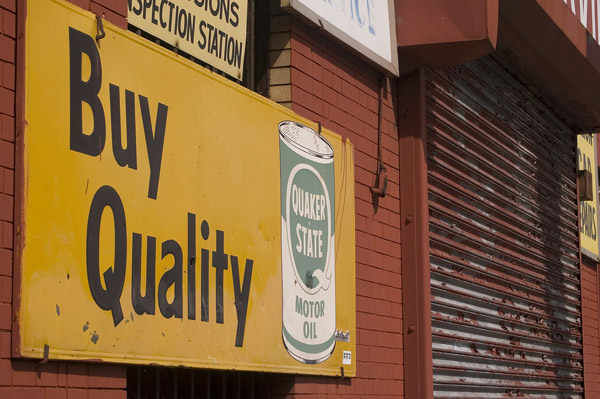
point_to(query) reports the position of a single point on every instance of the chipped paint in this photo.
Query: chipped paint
(506, 318)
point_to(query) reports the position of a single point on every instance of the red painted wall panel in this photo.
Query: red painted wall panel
(337, 89)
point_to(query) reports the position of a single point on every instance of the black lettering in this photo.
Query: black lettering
(154, 141)
(235, 20)
(220, 263)
(238, 54)
(221, 37)
(171, 6)
(224, 10)
(174, 277)
(214, 11)
(230, 50)
(191, 275)
(85, 92)
(143, 304)
(204, 230)
(594, 231)
(147, 4)
(138, 10)
(190, 28)
(114, 278)
(163, 23)
(202, 42)
(154, 11)
(241, 296)
(123, 156)
(181, 23)
(581, 221)
(212, 42)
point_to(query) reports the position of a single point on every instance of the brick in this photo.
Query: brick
(22, 393)
(7, 132)
(46, 374)
(55, 393)
(61, 374)
(303, 99)
(103, 376)
(5, 289)
(77, 375)
(9, 5)
(280, 58)
(5, 345)
(116, 6)
(9, 24)
(77, 394)
(7, 49)
(5, 372)
(7, 154)
(5, 316)
(8, 181)
(300, 62)
(8, 76)
(280, 41)
(6, 207)
(279, 76)
(106, 394)
(23, 372)
(281, 93)
(5, 262)
(7, 101)
(111, 16)
(7, 235)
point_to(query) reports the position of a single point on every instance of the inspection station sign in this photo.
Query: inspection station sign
(368, 26)
(213, 31)
(170, 216)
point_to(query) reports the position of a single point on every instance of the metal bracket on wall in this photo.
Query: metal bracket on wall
(586, 186)
(100, 27)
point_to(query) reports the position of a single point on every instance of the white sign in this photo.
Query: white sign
(213, 31)
(368, 26)
(588, 12)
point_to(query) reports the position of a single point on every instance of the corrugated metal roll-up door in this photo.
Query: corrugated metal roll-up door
(505, 285)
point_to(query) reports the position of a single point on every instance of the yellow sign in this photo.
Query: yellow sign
(588, 210)
(213, 31)
(153, 212)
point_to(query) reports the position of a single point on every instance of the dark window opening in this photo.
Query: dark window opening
(175, 383)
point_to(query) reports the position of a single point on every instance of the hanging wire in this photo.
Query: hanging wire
(379, 189)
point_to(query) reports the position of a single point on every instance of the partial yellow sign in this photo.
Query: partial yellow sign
(588, 210)
(213, 31)
(155, 206)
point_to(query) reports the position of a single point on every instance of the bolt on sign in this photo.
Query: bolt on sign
(214, 31)
(173, 217)
(588, 210)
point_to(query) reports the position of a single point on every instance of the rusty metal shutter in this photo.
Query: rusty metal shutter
(505, 285)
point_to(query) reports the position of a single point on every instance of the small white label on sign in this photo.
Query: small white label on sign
(347, 357)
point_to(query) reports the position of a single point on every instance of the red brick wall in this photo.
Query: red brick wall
(25, 379)
(332, 86)
(589, 310)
